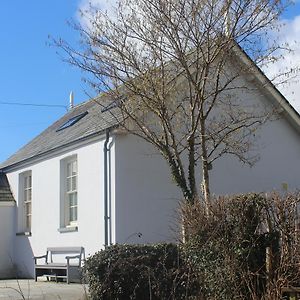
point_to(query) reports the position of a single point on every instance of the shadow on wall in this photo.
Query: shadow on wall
(23, 262)
(7, 238)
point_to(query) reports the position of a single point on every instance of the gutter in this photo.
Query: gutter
(36, 157)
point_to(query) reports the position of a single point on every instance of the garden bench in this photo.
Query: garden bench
(60, 263)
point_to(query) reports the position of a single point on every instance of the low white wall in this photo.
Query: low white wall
(7, 234)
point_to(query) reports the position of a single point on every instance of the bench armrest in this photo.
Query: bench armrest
(40, 257)
(73, 257)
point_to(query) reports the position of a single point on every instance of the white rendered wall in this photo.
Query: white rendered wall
(146, 198)
(46, 206)
(277, 144)
(7, 216)
(279, 163)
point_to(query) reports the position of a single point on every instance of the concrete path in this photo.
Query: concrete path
(24, 289)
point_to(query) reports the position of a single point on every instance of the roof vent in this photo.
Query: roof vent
(71, 105)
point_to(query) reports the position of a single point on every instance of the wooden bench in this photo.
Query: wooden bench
(60, 263)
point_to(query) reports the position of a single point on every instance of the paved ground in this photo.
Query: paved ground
(42, 290)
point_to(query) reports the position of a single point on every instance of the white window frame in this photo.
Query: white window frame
(69, 189)
(25, 201)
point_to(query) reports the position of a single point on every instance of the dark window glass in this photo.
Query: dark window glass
(72, 121)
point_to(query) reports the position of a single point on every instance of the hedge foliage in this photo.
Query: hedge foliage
(226, 246)
(246, 247)
(140, 272)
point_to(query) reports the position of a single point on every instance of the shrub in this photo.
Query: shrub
(247, 247)
(140, 272)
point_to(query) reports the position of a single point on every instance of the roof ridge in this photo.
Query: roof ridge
(89, 100)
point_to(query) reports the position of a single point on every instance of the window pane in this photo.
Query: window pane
(27, 182)
(69, 184)
(73, 199)
(28, 208)
(28, 221)
(74, 168)
(74, 183)
(69, 169)
(73, 214)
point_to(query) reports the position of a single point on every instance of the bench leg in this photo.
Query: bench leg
(68, 274)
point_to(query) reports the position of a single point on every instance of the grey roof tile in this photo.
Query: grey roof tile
(95, 122)
(5, 192)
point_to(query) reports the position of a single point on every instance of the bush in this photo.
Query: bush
(247, 247)
(140, 272)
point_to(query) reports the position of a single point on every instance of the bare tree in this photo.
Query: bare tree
(176, 71)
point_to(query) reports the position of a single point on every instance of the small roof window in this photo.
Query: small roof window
(72, 121)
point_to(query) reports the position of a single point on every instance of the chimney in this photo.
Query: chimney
(71, 104)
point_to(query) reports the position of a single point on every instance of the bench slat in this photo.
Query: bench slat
(65, 249)
(55, 266)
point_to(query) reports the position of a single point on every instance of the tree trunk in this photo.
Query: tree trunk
(205, 174)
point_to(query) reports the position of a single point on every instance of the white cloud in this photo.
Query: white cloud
(105, 5)
(290, 34)
(86, 7)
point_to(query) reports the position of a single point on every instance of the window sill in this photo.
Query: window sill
(25, 233)
(68, 229)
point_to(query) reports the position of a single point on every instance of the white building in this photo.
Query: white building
(83, 182)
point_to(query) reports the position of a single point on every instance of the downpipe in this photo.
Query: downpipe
(106, 217)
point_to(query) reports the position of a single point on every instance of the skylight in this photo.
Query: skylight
(72, 121)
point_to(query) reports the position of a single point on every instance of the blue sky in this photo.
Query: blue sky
(32, 72)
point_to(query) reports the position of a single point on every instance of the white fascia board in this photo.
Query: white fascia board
(54, 152)
(291, 114)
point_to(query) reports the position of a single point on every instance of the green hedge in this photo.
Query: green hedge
(140, 272)
(246, 247)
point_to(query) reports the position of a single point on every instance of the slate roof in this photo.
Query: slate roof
(93, 123)
(5, 192)
(99, 119)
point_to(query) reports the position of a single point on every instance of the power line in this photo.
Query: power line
(34, 104)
